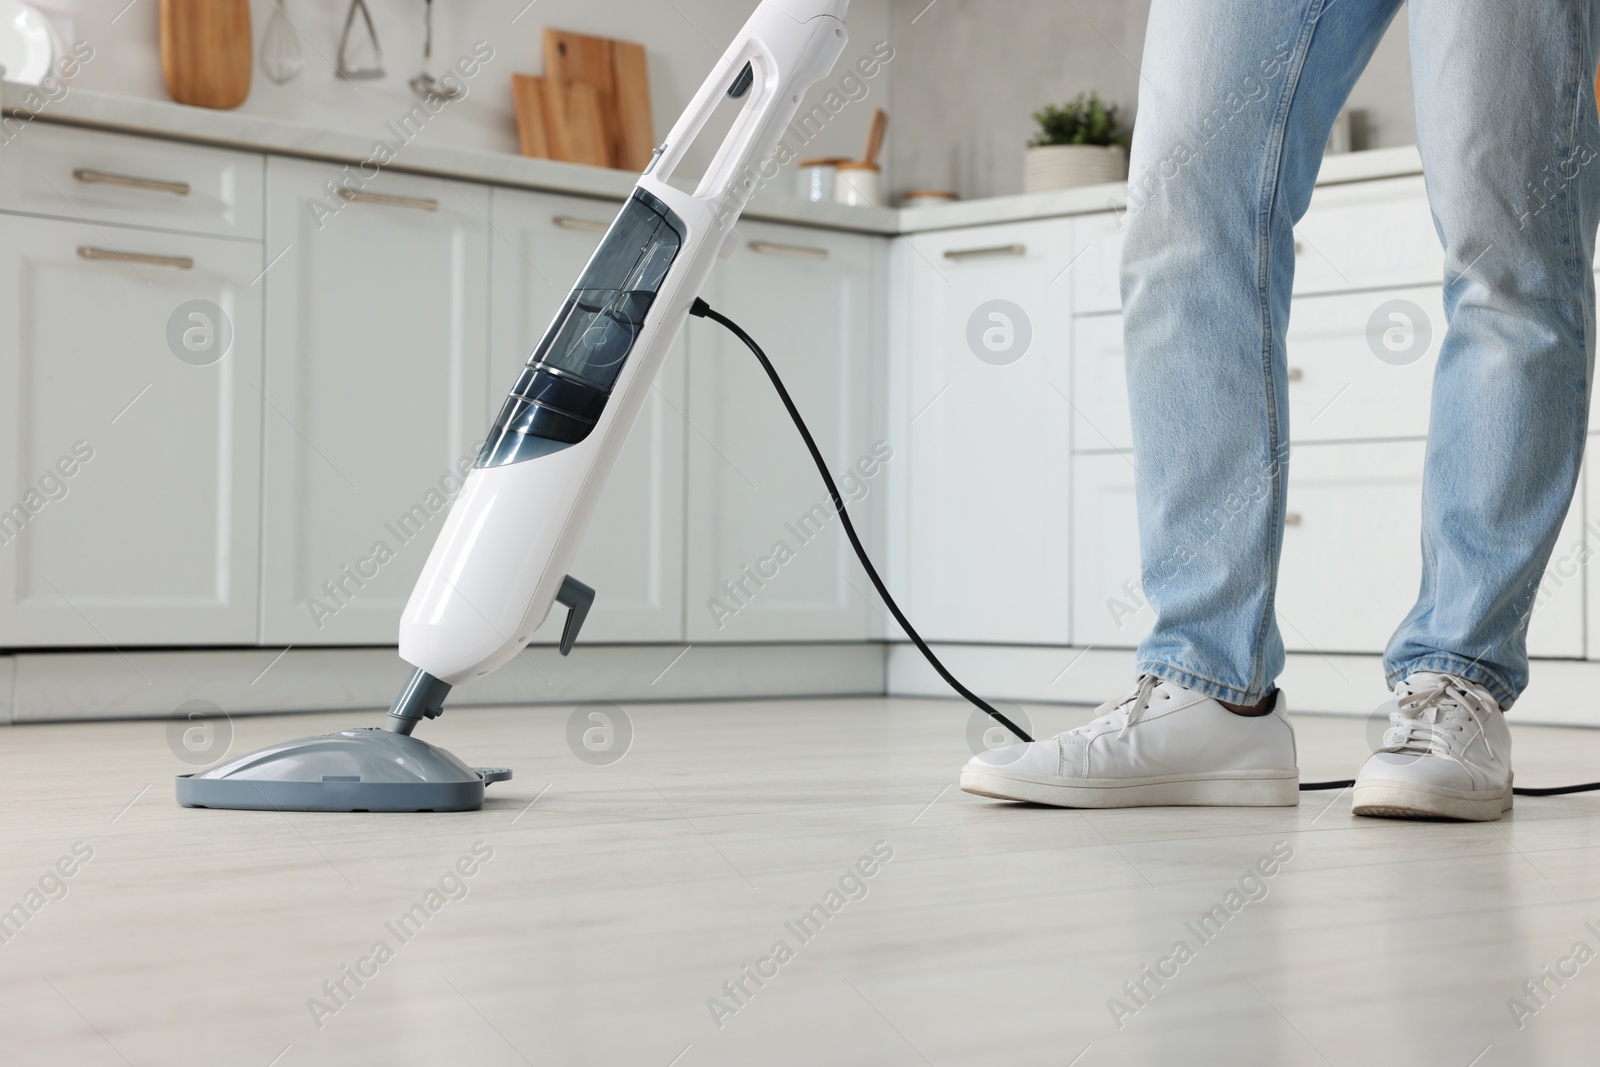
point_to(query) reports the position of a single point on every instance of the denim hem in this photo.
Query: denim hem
(1213, 689)
(1449, 663)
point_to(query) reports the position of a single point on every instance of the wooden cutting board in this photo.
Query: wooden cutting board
(576, 59)
(206, 50)
(556, 122)
(618, 74)
(533, 124)
(636, 135)
(588, 133)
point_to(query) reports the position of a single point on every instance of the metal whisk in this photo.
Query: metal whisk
(280, 47)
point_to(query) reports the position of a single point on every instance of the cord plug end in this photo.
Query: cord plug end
(699, 309)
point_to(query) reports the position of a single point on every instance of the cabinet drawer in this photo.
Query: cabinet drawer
(1355, 236)
(81, 175)
(1340, 387)
(1367, 234)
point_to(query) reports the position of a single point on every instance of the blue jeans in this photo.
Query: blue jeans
(1236, 101)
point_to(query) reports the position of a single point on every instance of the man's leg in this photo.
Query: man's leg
(1236, 101)
(1510, 142)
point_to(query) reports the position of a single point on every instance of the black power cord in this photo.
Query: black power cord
(701, 309)
(704, 310)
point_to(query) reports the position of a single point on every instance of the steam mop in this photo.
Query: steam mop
(500, 562)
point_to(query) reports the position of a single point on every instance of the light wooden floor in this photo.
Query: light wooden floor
(621, 899)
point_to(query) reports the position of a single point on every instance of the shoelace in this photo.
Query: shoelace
(1424, 721)
(1130, 707)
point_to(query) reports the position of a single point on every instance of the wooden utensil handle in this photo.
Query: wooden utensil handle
(880, 125)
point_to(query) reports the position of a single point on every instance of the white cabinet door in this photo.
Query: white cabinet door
(988, 424)
(1108, 605)
(633, 552)
(814, 302)
(376, 388)
(129, 477)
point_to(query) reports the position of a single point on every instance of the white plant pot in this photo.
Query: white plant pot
(1066, 166)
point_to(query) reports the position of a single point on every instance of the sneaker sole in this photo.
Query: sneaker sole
(1234, 789)
(1401, 800)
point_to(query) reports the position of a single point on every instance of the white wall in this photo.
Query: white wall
(683, 37)
(970, 73)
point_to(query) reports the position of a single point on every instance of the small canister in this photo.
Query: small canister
(928, 198)
(859, 184)
(816, 178)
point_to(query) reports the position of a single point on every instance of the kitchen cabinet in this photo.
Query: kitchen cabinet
(633, 552)
(988, 419)
(376, 392)
(129, 473)
(814, 301)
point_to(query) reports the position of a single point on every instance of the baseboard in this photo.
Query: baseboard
(80, 686)
(68, 686)
(1561, 692)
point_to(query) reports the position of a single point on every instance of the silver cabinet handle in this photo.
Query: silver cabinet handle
(128, 181)
(1295, 374)
(180, 262)
(572, 222)
(1291, 518)
(357, 196)
(772, 248)
(996, 250)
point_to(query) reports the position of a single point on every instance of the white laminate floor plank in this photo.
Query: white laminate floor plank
(620, 899)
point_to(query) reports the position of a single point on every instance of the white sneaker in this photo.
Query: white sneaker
(1447, 754)
(1161, 744)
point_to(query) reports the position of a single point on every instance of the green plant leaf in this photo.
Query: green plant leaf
(1085, 120)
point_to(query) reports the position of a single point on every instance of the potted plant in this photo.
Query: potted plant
(1080, 143)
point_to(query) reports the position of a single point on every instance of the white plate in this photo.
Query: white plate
(28, 44)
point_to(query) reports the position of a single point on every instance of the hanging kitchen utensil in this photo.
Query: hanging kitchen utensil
(280, 47)
(346, 68)
(424, 84)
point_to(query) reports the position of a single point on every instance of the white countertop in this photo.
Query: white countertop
(231, 129)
